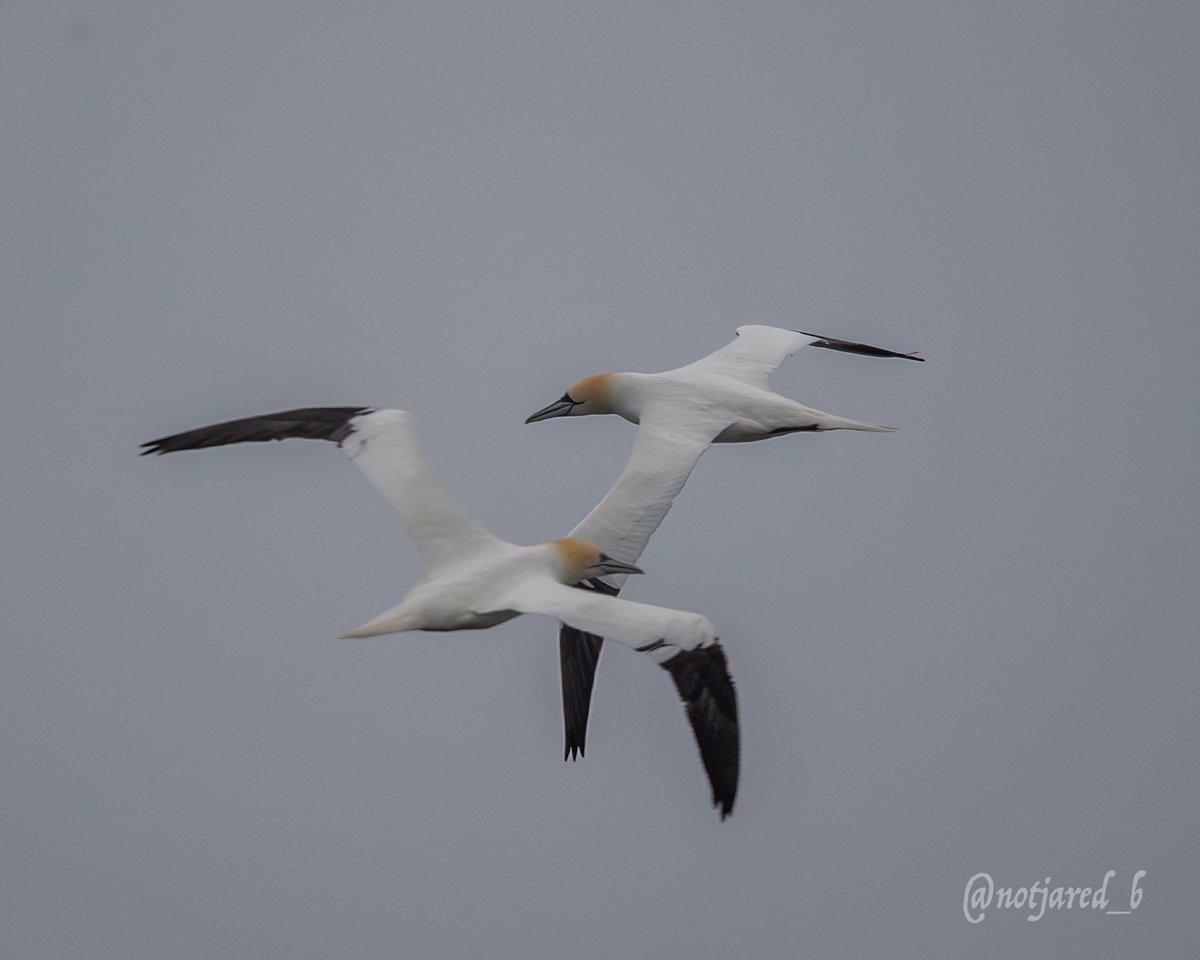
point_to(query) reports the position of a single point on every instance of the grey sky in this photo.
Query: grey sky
(967, 646)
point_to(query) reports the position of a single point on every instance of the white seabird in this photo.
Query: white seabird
(475, 580)
(721, 398)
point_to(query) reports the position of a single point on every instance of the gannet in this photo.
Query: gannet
(721, 398)
(475, 580)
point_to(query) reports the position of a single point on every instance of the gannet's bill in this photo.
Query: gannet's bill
(476, 580)
(721, 398)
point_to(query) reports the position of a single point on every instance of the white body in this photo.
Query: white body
(476, 580)
(724, 397)
(727, 389)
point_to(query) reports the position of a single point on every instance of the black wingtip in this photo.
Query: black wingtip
(702, 678)
(853, 346)
(311, 423)
(578, 655)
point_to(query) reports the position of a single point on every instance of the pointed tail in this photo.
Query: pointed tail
(828, 422)
(394, 620)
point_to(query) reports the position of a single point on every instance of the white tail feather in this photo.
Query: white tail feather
(394, 620)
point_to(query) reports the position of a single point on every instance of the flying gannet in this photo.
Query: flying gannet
(475, 580)
(721, 398)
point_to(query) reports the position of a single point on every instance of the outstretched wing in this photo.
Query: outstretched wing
(621, 524)
(684, 644)
(758, 351)
(659, 464)
(383, 445)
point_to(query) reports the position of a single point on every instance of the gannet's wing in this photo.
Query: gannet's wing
(663, 455)
(684, 644)
(578, 657)
(866, 349)
(383, 445)
(659, 464)
(758, 351)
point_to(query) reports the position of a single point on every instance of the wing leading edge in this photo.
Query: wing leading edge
(382, 444)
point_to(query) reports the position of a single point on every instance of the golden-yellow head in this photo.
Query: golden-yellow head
(582, 560)
(590, 395)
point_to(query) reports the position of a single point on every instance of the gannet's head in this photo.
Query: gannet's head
(581, 560)
(590, 395)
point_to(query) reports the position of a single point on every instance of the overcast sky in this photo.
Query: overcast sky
(967, 646)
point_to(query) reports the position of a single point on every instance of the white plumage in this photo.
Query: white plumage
(724, 397)
(476, 580)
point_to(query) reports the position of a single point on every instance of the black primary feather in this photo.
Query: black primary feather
(578, 656)
(309, 423)
(851, 346)
(702, 678)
